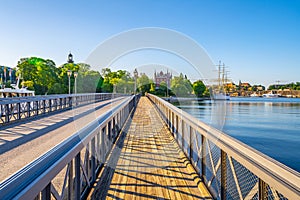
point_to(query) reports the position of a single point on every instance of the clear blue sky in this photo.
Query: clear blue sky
(259, 40)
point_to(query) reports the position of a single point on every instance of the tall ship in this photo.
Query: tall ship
(219, 92)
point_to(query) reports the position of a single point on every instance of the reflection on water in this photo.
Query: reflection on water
(271, 126)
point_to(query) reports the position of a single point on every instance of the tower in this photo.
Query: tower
(70, 58)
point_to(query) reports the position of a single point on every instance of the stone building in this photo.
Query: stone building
(162, 77)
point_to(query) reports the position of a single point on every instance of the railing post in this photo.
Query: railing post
(46, 192)
(223, 175)
(61, 103)
(93, 164)
(191, 144)
(262, 189)
(176, 127)
(70, 181)
(109, 135)
(44, 106)
(37, 107)
(77, 177)
(50, 105)
(103, 141)
(19, 110)
(203, 158)
(28, 109)
(182, 134)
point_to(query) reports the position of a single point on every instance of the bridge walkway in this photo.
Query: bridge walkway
(147, 163)
(25, 141)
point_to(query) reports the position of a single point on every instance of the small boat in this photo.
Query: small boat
(220, 96)
(270, 95)
(10, 92)
(15, 91)
(254, 95)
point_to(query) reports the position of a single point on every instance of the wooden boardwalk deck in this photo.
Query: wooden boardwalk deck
(147, 163)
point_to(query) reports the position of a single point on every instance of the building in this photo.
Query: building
(162, 77)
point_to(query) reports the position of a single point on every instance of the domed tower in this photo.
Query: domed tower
(70, 58)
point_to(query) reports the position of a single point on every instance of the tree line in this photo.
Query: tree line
(44, 77)
(292, 86)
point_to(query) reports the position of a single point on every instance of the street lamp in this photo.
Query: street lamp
(75, 76)
(135, 73)
(69, 72)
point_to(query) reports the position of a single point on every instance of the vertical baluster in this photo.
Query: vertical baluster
(203, 158)
(182, 134)
(103, 141)
(191, 144)
(37, 107)
(93, 164)
(28, 109)
(262, 190)
(176, 127)
(46, 192)
(70, 181)
(77, 177)
(223, 175)
(19, 110)
(44, 106)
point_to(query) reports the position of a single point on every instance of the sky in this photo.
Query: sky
(259, 41)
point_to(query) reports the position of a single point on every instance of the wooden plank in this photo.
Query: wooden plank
(151, 165)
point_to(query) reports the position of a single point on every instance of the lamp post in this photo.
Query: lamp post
(69, 72)
(75, 76)
(135, 73)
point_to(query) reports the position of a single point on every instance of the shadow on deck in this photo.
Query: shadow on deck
(147, 163)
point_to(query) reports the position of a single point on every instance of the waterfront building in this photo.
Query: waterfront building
(162, 77)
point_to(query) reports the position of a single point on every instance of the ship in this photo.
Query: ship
(219, 93)
(16, 91)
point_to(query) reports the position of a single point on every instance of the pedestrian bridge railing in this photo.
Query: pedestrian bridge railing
(229, 168)
(18, 108)
(69, 170)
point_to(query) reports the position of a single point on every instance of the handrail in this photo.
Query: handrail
(269, 176)
(35, 178)
(19, 108)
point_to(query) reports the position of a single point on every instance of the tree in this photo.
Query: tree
(57, 88)
(199, 88)
(143, 83)
(180, 86)
(89, 81)
(42, 72)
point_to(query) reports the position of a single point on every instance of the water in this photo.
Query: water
(271, 126)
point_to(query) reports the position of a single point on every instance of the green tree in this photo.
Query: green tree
(199, 88)
(28, 84)
(42, 72)
(181, 86)
(143, 83)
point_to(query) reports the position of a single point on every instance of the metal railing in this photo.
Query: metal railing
(15, 109)
(68, 170)
(229, 168)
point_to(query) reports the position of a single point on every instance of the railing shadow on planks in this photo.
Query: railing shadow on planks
(75, 162)
(229, 168)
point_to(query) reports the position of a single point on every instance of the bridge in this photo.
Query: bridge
(108, 146)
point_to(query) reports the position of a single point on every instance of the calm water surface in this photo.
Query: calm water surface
(271, 126)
